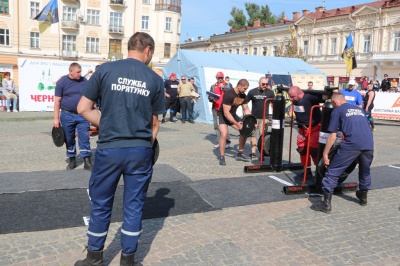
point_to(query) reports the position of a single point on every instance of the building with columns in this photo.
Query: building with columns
(321, 35)
(88, 30)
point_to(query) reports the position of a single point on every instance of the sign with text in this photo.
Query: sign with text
(37, 81)
(386, 106)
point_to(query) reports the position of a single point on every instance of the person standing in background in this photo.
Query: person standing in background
(184, 90)
(9, 92)
(171, 97)
(385, 84)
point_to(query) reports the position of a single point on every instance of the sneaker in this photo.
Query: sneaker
(253, 156)
(183, 121)
(191, 121)
(227, 146)
(15, 111)
(241, 156)
(163, 121)
(216, 146)
(8, 111)
(222, 160)
(172, 121)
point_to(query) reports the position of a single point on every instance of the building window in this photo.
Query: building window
(333, 45)
(275, 50)
(35, 40)
(246, 50)
(145, 1)
(230, 51)
(222, 51)
(145, 22)
(116, 22)
(92, 45)
(367, 44)
(237, 50)
(264, 50)
(93, 17)
(179, 26)
(319, 47)
(34, 9)
(396, 41)
(168, 24)
(115, 50)
(167, 50)
(4, 37)
(254, 50)
(69, 43)
(4, 7)
(305, 47)
(69, 13)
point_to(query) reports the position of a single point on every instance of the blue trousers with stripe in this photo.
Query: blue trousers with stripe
(70, 123)
(135, 165)
(342, 160)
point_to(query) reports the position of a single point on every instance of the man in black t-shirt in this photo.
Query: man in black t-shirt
(171, 97)
(258, 96)
(227, 116)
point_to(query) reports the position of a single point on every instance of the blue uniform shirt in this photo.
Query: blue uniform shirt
(352, 96)
(70, 91)
(130, 94)
(351, 121)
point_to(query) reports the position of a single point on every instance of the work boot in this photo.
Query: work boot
(93, 258)
(163, 121)
(87, 163)
(72, 163)
(362, 196)
(323, 205)
(128, 260)
(222, 160)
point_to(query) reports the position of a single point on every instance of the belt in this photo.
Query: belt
(69, 112)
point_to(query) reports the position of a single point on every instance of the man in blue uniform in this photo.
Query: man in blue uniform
(132, 98)
(351, 95)
(358, 145)
(67, 95)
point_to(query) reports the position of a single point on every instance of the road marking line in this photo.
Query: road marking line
(394, 166)
(280, 180)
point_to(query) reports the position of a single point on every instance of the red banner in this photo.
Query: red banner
(344, 79)
(330, 78)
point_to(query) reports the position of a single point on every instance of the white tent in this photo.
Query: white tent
(203, 66)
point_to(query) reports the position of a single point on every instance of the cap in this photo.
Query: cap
(386, 75)
(352, 82)
(172, 75)
(220, 75)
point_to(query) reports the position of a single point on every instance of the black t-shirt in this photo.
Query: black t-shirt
(303, 107)
(234, 100)
(365, 101)
(385, 85)
(171, 87)
(257, 98)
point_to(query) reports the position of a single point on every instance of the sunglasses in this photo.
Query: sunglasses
(264, 84)
(183, 79)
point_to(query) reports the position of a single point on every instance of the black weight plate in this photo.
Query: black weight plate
(58, 136)
(249, 126)
(267, 144)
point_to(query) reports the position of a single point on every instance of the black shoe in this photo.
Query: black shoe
(172, 121)
(362, 196)
(128, 260)
(323, 205)
(183, 121)
(191, 121)
(241, 156)
(163, 121)
(72, 163)
(87, 164)
(92, 258)
(222, 160)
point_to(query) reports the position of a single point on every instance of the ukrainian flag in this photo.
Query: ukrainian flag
(48, 15)
(348, 54)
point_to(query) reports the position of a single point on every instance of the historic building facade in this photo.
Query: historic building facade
(321, 35)
(88, 30)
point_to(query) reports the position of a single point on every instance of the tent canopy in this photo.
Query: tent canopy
(204, 65)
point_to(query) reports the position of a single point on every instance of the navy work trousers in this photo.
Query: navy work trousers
(135, 165)
(342, 160)
(71, 123)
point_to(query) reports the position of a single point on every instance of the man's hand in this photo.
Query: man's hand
(239, 125)
(167, 95)
(326, 159)
(56, 123)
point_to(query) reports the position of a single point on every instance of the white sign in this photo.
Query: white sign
(386, 106)
(323, 137)
(276, 124)
(37, 82)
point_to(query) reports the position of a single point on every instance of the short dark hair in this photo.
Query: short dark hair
(227, 77)
(139, 41)
(192, 78)
(7, 74)
(243, 82)
(74, 65)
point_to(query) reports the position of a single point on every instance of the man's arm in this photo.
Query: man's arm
(57, 105)
(228, 115)
(329, 143)
(246, 109)
(85, 108)
(155, 125)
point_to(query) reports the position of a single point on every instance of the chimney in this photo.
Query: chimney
(338, 11)
(295, 16)
(257, 23)
(305, 12)
(319, 8)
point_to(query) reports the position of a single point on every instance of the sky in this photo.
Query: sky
(206, 17)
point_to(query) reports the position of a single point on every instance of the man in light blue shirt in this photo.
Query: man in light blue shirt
(351, 95)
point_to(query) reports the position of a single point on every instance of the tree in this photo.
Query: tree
(238, 20)
(291, 49)
(254, 12)
(267, 16)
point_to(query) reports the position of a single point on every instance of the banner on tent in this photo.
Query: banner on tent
(37, 82)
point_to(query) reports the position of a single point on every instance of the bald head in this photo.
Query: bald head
(295, 94)
(338, 99)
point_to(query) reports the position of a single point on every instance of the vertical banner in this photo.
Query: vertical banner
(37, 82)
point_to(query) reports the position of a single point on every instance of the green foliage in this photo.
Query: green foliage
(291, 49)
(238, 20)
(254, 11)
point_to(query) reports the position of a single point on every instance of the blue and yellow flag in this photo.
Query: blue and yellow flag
(348, 55)
(48, 15)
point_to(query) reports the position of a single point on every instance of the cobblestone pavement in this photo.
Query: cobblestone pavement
(277, 233)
